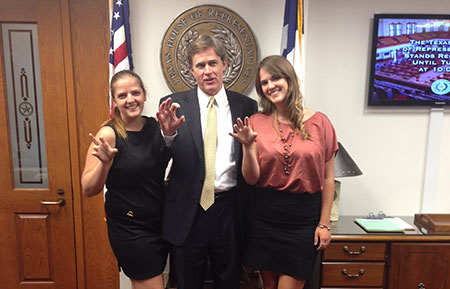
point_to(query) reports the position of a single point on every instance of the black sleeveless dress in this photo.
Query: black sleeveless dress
(134, 202)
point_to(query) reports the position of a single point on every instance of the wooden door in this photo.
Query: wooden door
(37, 247)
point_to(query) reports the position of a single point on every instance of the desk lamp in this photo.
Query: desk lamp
(344, 166)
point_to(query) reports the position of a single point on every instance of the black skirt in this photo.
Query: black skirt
(280, 235)
(138, 246)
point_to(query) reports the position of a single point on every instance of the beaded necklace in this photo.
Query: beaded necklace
(287, 160)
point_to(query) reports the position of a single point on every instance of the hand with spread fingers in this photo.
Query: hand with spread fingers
(167, 118)
(243, 132)
(102, 150)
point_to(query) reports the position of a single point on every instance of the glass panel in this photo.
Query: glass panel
(24, 97)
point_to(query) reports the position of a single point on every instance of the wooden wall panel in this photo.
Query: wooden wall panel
(89, 38)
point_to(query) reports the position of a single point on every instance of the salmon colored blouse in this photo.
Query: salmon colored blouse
(307, 157)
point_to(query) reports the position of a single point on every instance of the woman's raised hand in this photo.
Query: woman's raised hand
(102, 150)
(243, 132)
(167, 118)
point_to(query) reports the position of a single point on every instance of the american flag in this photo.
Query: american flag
(292, 42)
(120, 47)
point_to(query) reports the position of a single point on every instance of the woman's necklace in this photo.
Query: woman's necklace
(287, 144)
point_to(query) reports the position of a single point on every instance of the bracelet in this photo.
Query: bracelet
(324, 227)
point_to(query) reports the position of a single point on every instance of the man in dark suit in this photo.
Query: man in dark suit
(200, 224)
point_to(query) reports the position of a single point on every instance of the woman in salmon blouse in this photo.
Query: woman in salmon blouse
(288, 155)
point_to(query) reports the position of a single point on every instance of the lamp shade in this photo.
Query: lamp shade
(344, 165)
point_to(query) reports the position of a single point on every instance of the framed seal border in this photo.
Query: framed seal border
(238, 38)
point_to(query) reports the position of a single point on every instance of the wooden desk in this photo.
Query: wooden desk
(356, 259)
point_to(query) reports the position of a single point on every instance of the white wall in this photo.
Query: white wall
(389, 145)
(149, 21)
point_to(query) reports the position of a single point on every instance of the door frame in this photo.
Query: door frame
(85, 29)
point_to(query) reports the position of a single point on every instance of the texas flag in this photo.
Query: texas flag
(292, 42)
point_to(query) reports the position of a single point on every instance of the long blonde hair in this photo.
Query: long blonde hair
(116, 121)
(278, 66)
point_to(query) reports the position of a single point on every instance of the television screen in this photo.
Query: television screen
(410, 62)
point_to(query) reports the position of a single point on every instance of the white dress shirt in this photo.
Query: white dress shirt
(225, 162)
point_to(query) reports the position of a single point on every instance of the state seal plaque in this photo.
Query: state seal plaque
(224, 24)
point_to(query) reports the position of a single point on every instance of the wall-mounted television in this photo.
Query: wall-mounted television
(410, 60)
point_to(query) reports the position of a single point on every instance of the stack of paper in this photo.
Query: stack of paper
(384, 225)
(402, 224)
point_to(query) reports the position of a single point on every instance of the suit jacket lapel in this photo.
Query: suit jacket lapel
(193, 119)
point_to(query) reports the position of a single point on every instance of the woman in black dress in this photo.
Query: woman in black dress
(129, 155)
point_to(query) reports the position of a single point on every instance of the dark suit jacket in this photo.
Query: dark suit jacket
(188, 168)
